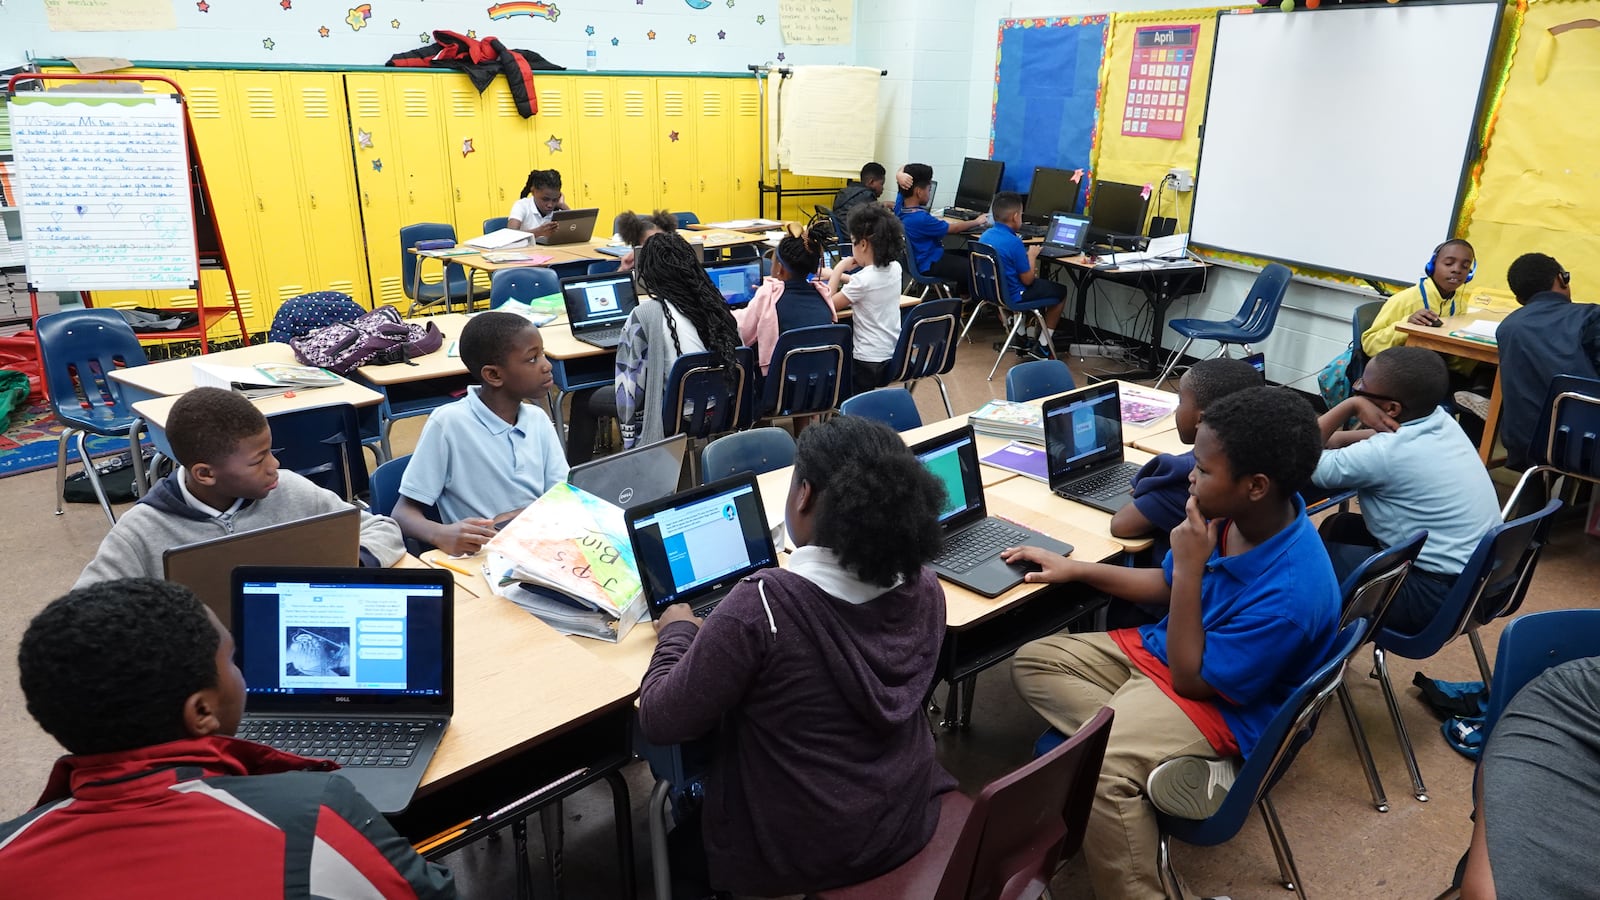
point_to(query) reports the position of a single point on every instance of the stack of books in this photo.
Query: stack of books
(1009, 420)
(263, 380)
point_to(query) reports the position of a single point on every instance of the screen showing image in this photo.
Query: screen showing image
(736, 284)
(1067, 231)
(1084, 431)
(602, 299)
(955, 464)
(703, 542)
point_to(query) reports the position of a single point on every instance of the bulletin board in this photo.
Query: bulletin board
(1046, 94)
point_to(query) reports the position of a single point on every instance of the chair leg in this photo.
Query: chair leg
(93, 475)
(1418, 788)
(952, 706)
(1483, 660)
(978, 307)
(1173, 362)
(944, 395)
(383, 438)
(1169, 875)
(61, 471)
(1016, 325)
(1280, 848)
(1359, 736)
(519, 845)
(660, 869)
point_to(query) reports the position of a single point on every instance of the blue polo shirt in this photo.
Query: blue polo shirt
(1013, 257)
(471, 462)
(1161, 490)
(1270, 616)
(925, 233)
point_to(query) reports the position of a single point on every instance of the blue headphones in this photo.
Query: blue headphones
(1435, 258)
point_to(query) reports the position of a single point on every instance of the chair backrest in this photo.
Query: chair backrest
(385, 485)
(685, 219)
(1567, 436)
(1038, 378)
(323, 445)
(927, 344)
(1535, 642)
(409, 236)
(702, 399)
(79, 348)
(986, 285)
(299, 316)
(522, 283)
(1365, 315)
(810, 371)
(759, 450)
(893, 406)
(495, 223)
(1025, 822)
(1260, 309)
(912, 269)
(1368, 591)
(604, 266)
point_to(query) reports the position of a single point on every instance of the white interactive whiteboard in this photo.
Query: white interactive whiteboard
(1337, 138)
(103, 187)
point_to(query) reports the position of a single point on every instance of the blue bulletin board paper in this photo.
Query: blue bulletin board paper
(1046, 95)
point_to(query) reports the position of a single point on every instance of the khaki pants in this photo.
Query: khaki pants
(1067, 678)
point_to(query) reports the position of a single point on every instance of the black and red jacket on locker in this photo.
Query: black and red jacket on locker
(482, 59)
(208, 817)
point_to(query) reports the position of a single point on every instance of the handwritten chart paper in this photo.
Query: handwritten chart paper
(809, 143)
(816, 21)
(110, 15)
(104, 192)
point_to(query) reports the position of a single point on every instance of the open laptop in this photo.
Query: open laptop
(206, 567)
(973, 539)
(737, 281)
(632, 477)
(693, 547)
(573, 226)
(353, 665)
(1083, 447)
(1065, 235)
(1258, 361)
(598, 305)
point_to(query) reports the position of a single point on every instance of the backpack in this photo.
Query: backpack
(1333, 382)
(299, 316)
(379, 337)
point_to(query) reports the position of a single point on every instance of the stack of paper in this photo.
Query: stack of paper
(1479, 330)
(1013, 421)
(499, 240)
(262, 380)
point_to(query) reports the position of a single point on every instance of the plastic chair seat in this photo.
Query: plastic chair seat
(98, 419)
(1206, 330)
(893, 406)
(920, 875)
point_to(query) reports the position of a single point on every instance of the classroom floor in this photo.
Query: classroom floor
(1344, 848)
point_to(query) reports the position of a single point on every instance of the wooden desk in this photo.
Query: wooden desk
(1037, 496)
(1440, 340)
(1161, 442)
(760, 227)
(156, 410)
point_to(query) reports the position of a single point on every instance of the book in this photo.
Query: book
(500, 239)
(1010, 420)
(252, 382)
(447, 253)
(566, 558)
(516, 258)
(1021, 459)
(1142, 408)
(1482, 330)
(298, 375)
(540, 317)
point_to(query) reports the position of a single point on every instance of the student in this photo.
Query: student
(792, 298)
(1161, 488)
(1548, 336)
(867, 190)
(1437, 294)
(1253, 609)
(136, 679)
(873, 290)
(925, 233)
(227, 482)
(541, 198)
(634, 229)
(1021, 285)
(483, 458)
(812, 678)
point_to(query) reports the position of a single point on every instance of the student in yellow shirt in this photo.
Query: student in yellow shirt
(1436, 295)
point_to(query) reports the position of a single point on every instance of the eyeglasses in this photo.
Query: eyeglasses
(1357, 391)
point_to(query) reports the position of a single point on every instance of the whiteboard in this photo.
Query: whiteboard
(1338, 138)
(103, 188)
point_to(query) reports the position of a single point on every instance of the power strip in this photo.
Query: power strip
(1092, 350)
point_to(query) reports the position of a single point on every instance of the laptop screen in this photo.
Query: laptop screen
(1083, 429)
(604, 299)
(700, 541)
(737, 283)
(1066, 230)
(953, 459)
(344, 635)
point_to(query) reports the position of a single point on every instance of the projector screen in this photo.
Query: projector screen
(1338, 138)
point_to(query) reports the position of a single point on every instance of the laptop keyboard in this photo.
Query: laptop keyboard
(965, 551)
(965, 215)
(603, 336)
(358, 742)
(1103, 485)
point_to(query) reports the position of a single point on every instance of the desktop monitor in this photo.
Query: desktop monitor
(1117, 209)
(980, 179)
(1052, 191)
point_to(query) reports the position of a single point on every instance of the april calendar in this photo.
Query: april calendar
(1158, 81)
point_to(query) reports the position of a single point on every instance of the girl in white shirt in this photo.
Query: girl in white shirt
(874, 291)
(541, 197)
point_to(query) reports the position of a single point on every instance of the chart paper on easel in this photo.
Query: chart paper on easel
(809, 143)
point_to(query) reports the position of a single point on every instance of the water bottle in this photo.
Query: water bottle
(590, 57)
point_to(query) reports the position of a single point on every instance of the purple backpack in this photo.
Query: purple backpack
(378, 338)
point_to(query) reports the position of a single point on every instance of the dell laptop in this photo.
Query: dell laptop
(206, 567)
(352, 665)
(633, 477)
(1065, 236)
(693, 547)
(1083, 447)
(572, 226)
(598, 306)
(973, 539)
(736, 281)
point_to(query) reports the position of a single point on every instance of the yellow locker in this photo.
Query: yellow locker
(425, 194)
(378, 174)
(595, 147)
(637, 143)
(466, 142)
(714, 149)
(267, 132)
(551, 137)
(510, 145)
(332, 238)
(676, 147)
(745, 165)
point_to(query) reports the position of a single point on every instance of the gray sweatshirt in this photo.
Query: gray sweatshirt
(164, 519)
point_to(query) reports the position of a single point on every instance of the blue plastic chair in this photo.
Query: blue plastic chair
(703, 400)
(809, 372)
(913, 272)
(491, 225)
(927, 346)
(986, 288)
(522, 283)
(385, 485)
(604, 266)
(759, 450)
(893, 406)
(455, 283)
(1566, 437)
(323, 445)
(1365, 315)
(1533, 643)
(1038, 378)
(78, 350)
(685, 219)
(1250, 325)
(1492, 585)
(1288, 731)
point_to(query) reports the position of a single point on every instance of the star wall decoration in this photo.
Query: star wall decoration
(672, 136)
(203, 6)
(553, 145)
(394, 23)
(267, 43)
(722, 35)
(364, 138)
(466, 147)
(286, 4)
(472, 34)
(761, 20)
(651, 34)
(780, 57)
(615, 42)
(323, 31)
(425, 38)
(692, 39)
(589, 30)
(377, 165)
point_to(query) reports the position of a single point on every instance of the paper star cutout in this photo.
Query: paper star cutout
(692, 38)
(780, 57)
(203, 6)
(615, 42)
(588, 29)
(355, 20)
(423, 37)
(363, 137)
(394, 23)
(650, 34)
(323, 31)
(377, 165)
(473, 34)
(722, 35)
(554, 13)
(286, 4)
(267, 43)
(553, 145)
(761, 20)
(466, 147)
(672, 136)
(730, 3)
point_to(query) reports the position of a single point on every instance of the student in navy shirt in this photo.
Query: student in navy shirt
(925, 232)
(1549, 336)
(1253, 610)
(1020, 286)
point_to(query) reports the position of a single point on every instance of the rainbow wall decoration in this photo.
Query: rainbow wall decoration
(525, 8)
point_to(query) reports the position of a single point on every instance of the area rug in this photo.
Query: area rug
(29, 442)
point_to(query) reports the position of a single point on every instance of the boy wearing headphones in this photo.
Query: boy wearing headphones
(1437, 294)
(1549, 336)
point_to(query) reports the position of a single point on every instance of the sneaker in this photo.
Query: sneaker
(1477, 404)
(1036, 350)
(1191, 787)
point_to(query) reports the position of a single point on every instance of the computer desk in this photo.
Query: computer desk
(1166, 441)
(1160, 286)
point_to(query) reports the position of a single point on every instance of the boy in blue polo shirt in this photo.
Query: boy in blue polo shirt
(1023, 288)
(1253, 610)
(925, 232)
(486, 456)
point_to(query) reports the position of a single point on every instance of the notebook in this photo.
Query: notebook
(1064, 236)
(632, 477)
(1083, 446)
(573, 226)
(973, 539)
(206, 567)
(598, 305)
(353, 665)
(737, 282)
(693, 547)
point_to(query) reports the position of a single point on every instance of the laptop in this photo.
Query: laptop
(1065, 235)
(693, 547)
(598, 306)
(973, 539)
(1259, 362)
(737, 282)
(353, 665)
(206, 567)
(633, 477)
(1083, 447)
(573, 226)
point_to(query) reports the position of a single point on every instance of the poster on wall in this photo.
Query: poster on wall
(110, 15)
(1158, 81)
(816, 21)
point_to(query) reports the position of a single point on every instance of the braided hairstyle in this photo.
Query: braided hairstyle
(801, 254)
(669, 270)
(540, 179)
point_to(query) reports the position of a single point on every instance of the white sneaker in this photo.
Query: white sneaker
(1477, 404)
(1191, 787)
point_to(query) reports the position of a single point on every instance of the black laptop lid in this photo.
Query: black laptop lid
(345, 640)
(700, 542)
(1082, 430)
(1067, 231)
(598, 301)
(953, 459)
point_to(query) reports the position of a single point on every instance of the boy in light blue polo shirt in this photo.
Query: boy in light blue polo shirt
(1022, 288)
(486, 456)
(1419, 470)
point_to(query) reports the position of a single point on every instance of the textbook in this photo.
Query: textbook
(1009, 420)
(567, 560)
(1021, 459)
(265, 380)
(1142, 408)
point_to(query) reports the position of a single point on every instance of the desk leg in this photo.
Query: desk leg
(622, 813)
(556, 396)
(519, 846)
(552, 822)
(1491, 426)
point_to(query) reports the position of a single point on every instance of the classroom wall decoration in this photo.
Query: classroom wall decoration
(1046, 94)
(110, 15)
(1158, 81)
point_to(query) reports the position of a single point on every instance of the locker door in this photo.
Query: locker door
(675, 133)
(714, 150)
(637, 144)
(379, 171)
(511, 140)
(333, 236)
(557, 120)
(425, 188)
(746, 145)
(268, 132)
(596, 149)
(467, 143)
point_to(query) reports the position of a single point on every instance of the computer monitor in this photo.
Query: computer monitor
(1052, 191)
(980, 179)
(1117, 209)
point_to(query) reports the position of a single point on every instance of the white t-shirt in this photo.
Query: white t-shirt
(527, 212)
(874, 293)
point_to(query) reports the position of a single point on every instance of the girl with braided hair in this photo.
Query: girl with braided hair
(789, 299)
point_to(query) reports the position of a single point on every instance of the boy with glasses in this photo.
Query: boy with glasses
(1549, 336)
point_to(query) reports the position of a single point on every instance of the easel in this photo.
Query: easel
(760, 72)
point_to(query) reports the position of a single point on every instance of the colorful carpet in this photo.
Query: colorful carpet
(29, 442)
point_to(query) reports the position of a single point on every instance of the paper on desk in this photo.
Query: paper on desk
(1482, 328)
(495, 240)
(735, 224)
(1142, 408)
